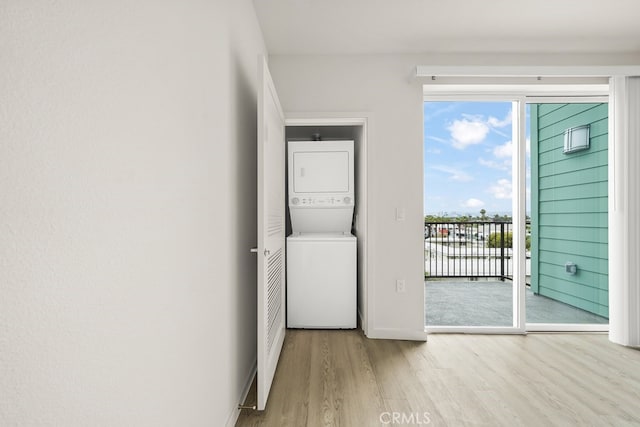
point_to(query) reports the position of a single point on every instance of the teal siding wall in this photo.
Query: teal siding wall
(569, 207)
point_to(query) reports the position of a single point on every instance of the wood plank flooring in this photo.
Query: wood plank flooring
(341, 378)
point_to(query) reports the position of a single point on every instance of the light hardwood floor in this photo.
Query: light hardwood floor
(341, 378)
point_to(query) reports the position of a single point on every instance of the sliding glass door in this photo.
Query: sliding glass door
(515, 206)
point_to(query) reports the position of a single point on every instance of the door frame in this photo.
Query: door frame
(365, 246)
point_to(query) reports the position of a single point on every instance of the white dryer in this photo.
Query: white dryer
(321, 186)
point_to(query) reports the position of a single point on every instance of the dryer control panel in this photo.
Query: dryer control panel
(318, 202)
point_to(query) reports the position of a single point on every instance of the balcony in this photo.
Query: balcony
(468, 249)
(468, 279)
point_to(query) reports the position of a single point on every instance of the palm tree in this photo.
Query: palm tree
(483, 214)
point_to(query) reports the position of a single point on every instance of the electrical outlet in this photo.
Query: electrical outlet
(400, 286)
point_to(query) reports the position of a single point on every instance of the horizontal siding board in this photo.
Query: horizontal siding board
(575, 220)
(574, 192)
(552, 136)
(570, 164)
(544, 109)
(572, 115)
(594, 204)
(562, 280)
(556, 155)
(598, 265)
(579, 290)
(598, 130)
(567, 109)
(576, 234)
(597, 145)
(596, 250)
(590, 306)
(596, 174)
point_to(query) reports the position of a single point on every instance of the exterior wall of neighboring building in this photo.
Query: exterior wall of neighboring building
(569, 206)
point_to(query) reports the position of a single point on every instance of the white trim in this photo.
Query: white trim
(518, 208)
(583, 92)
(326, 119)
(575, 99)
(364, 120)
(567, 327)
(484, 330)
(463, 96)
(397, 334)
(527, 70)
(235, 411)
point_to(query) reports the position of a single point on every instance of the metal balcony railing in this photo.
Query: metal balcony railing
(468, 249)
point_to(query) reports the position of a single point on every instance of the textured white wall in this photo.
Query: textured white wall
(127, 207)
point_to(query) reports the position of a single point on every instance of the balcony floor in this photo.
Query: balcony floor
(488, 303)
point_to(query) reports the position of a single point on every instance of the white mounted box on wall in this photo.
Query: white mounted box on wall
(576, 139)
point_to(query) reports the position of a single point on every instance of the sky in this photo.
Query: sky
(467, 158)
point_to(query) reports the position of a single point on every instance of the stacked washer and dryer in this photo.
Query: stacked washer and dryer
(321, 251)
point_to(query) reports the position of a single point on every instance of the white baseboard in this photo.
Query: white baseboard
(235, 412)
(397, 334)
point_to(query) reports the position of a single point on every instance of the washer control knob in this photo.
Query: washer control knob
(295, 201)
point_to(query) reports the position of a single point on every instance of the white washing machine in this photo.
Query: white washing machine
(321, 281)
(321, 252)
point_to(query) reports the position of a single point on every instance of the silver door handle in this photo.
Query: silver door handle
(254, 250)
(267, 252)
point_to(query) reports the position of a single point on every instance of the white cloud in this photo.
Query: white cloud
(505, 165)
(501, 189)
(473, 129)
(504, 150)
(454, 174)
(497, 123)
(467, 132)
(435, 113)
(437, 139)
(434, 151)
(473, 203)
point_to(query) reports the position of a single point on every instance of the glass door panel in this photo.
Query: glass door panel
(567, 254)
(468, 227)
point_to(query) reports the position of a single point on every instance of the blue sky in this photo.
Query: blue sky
(467, 157)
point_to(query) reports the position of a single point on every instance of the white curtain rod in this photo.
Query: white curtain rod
(527, 71)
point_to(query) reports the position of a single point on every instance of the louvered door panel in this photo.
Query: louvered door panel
(275, 284)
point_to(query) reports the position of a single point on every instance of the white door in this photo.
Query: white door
(271, 232)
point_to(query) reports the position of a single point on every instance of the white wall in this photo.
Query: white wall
(379, 85)
(127, 208)
(385, 87)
